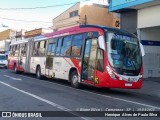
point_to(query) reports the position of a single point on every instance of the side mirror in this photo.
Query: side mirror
(142, 49)
(101, 42)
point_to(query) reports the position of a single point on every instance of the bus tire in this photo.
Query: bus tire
(38, 72)
(15, 69)
(74, 80)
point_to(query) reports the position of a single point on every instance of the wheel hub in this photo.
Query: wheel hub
(38, 73)
(75, 79)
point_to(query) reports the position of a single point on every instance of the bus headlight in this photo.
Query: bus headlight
(111, 74)
(140, 76)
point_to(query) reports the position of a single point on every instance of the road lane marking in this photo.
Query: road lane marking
(46, 101)
(13, 78)
(107, 96)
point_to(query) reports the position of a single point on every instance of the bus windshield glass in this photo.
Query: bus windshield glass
(123, 53)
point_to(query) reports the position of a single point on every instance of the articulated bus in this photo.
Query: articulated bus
(86, 54)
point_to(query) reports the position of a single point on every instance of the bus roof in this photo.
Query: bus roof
(75, 29)
(80, 28)
(20, 42)
(106, 28)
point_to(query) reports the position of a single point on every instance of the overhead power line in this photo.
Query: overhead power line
(24, 20)
(42, 7)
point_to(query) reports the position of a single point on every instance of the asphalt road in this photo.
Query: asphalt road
(23, 92)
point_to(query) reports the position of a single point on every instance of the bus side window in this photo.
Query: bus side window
(33, 53)
(15, 47)
(66, 46)
(21, 47)
(16, 51)
(45, 43)
(13, 50)
(41, 48)
(35, 49)
(38, 45)
(45, 47)
(53, 49)
(25, 48)
(77, 45)
(10, 50)
(58, 48)
(49, 48)
(54, 46)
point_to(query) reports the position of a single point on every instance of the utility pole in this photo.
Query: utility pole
(85, 19)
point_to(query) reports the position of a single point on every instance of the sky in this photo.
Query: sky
(46, 14)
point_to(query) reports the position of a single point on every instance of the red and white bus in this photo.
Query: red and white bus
(88, 54)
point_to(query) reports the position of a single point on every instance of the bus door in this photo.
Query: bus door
(49, 58)
(89, 59)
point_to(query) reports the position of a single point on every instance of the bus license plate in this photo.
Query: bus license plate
(128, 84)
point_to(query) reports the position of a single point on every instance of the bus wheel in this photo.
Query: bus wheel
(74, 79)
(38, 72)
(15, 69)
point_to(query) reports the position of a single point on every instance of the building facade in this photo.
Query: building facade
(17, 35)
(5, 41)
(86, 13)
(142, 18)
(36, 32)
(10, 36)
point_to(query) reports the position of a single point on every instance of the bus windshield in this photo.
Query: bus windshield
(123, 53)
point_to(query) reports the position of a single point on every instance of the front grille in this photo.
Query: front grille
(2, 64)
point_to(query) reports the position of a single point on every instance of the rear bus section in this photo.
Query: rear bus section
(13, 57)
(17, 56)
